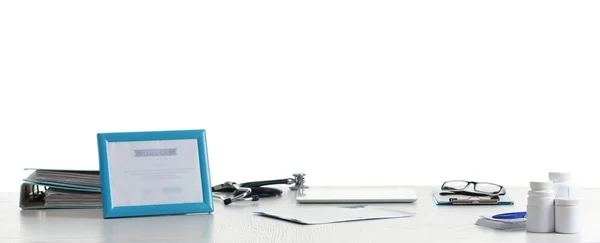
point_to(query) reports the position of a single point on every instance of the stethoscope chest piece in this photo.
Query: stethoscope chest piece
(298, 182)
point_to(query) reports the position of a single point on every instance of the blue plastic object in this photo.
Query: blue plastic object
(107, 141)
(514, 215)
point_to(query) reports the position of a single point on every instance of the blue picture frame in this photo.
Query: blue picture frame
(111, 211)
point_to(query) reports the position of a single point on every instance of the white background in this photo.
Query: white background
(349, 92)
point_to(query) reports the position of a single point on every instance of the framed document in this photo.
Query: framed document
(154, 173)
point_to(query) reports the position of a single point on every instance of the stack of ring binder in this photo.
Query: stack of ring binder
(54, 189)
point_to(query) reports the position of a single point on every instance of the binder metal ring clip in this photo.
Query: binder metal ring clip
(36, 194)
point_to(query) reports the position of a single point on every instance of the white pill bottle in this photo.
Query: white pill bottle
(568, 216)
(540, 207)
(564, 186)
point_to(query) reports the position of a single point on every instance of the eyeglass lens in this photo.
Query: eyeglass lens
(455, 185)
(487, 187)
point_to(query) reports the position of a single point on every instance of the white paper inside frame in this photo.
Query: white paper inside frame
(154, 172)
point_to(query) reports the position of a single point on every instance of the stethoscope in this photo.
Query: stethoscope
(253, 191)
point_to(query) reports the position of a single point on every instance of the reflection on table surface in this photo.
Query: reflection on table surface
(553, 238)
(237, 223)
(88, 225)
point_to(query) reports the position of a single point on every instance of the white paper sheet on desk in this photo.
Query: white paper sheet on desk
(327, 215)
(502, 224)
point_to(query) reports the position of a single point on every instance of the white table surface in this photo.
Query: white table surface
(236, 223)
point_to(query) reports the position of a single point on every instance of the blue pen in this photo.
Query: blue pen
(515, 215)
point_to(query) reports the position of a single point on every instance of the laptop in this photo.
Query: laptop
(356, 195)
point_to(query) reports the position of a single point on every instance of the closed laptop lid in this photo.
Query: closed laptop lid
(356, 194)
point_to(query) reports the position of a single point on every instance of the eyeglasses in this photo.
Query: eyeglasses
(479, 188)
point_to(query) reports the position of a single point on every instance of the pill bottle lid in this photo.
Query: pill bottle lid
(560, 176)
(541, 185)
(566, 201)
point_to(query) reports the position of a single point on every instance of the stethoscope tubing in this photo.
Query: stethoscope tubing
(249, 191)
